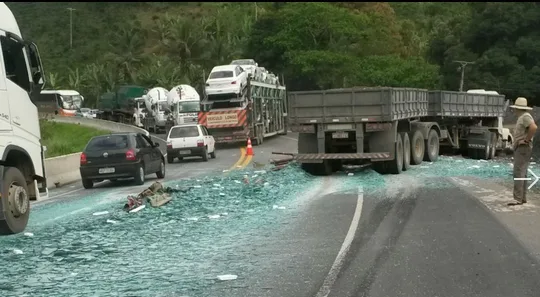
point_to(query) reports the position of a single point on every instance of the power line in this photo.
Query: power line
(463, 65)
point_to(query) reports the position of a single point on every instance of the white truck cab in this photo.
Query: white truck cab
(22, 169)
(505, 139)
(185, 104)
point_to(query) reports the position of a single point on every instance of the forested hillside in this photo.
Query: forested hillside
(313, 45)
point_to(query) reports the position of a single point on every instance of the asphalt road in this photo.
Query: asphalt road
(229, 157)
(404, 241)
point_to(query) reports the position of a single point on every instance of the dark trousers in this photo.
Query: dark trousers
(522, 158)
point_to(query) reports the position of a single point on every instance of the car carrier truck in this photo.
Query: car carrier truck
(258, 113)
(22, 168)
(391, 128)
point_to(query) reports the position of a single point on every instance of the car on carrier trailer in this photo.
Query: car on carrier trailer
(391, 128)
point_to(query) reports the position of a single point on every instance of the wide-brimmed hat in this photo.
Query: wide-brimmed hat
(521, 103)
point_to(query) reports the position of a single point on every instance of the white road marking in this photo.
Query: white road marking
(330, 279)
(290, 138)
(65, 193)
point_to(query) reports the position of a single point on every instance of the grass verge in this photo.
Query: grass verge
(62, 139)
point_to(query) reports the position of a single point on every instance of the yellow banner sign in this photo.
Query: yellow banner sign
(222, 119)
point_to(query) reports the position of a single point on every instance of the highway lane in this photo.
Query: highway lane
(229, 157)
(83, 243)
(402, 240)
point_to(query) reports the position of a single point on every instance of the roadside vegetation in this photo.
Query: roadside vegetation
(62, 139)
(313, 45)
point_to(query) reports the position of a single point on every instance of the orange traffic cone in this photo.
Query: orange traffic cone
(249, 150)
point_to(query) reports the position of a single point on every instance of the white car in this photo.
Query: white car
(249, 65)
(190, 140)
(226, 79)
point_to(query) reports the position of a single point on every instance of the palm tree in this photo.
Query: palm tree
(126, 50)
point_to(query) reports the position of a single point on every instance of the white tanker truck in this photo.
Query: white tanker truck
(184, 102)
(156, 105)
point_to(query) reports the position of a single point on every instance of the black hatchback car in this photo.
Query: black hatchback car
(120, 155)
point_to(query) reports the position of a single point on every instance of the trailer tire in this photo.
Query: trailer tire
(406, 151)
(493, 148)
(259, 138)
(417, 147)
(431, 152)
(485, 153)
(379, 167)
(396, 166)
(16, 209)
(170, 159)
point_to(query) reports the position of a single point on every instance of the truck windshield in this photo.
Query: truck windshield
(180, 132)
(71, 102)
(107, 142)
(163, 106)
(193, 106)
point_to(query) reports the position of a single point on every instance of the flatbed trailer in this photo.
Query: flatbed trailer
(260, 112)
(392, 128)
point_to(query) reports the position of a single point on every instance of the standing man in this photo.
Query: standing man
(523, 135)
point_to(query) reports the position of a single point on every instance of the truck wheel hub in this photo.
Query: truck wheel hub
(18, 200)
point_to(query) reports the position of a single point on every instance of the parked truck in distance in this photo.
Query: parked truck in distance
(120, 106)
(185, 103)
(22, 168)
(157, 108)
(392, 128)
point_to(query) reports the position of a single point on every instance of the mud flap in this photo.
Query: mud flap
(2, 216)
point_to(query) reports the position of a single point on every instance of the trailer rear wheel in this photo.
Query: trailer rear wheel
(259, 138)
(493, 148)
(379, 167)
(406, 151)
(472, 153)
(485, 153)
(396, 166)
(417, 147)
(431, 153)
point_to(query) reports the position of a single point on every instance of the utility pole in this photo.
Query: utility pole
(463, 65)
(71, 26)
(256, 11)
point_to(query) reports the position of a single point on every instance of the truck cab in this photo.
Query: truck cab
(22, 168)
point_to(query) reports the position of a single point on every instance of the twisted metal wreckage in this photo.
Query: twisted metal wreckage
(156, 195)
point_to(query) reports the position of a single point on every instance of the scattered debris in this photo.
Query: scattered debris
(156, 195)
(137, 209)
(17, 252)
(100, 213)
(278, 207)
(227, 277)
(112, 221)
(28, 234)
(214, 216)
